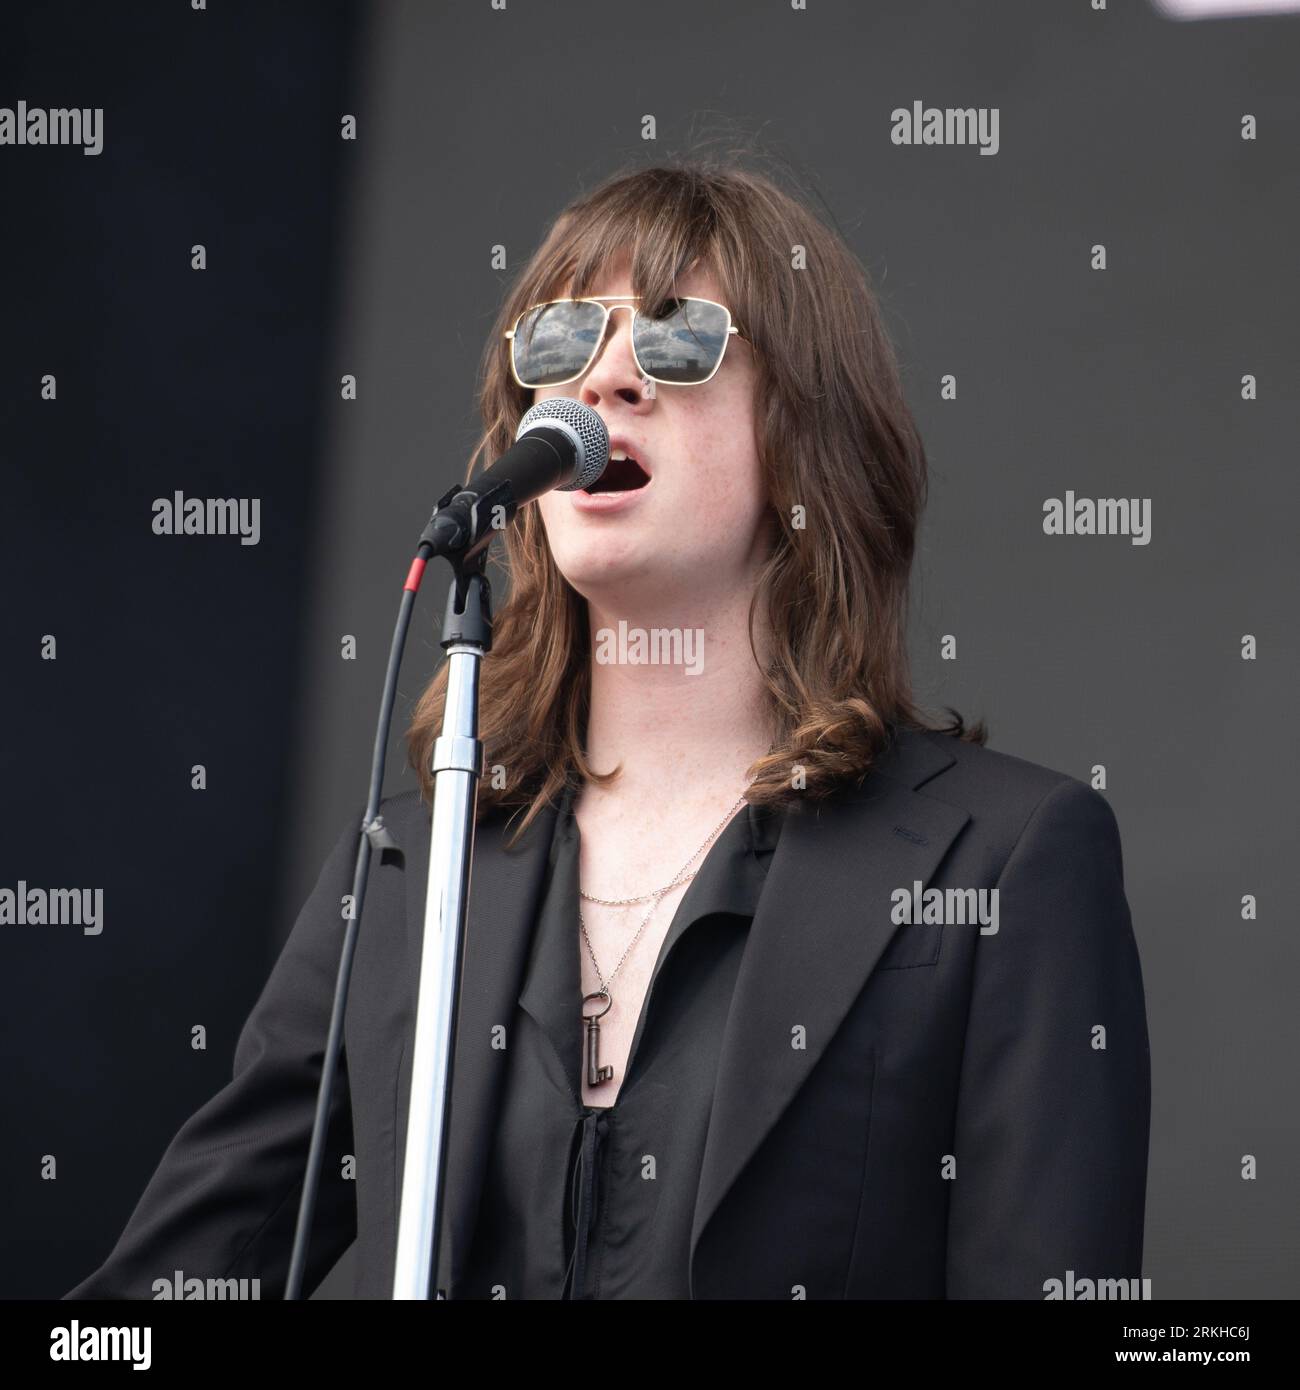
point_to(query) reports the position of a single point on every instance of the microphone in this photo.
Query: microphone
(560, 443)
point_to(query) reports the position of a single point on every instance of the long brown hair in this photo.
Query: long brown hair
(842, 461)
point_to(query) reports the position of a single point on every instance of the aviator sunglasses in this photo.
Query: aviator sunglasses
(555, 342)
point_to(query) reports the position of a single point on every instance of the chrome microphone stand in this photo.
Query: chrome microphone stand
(457, 765)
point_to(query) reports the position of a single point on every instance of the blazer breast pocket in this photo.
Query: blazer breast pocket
(913, 944)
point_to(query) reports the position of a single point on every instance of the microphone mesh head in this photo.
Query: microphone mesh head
(585, 427)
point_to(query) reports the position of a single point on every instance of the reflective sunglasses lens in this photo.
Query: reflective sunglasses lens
(684, 343)
(554, 342)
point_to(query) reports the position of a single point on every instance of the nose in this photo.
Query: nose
(614, 373)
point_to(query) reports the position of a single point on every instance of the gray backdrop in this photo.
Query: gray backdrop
(1120, 128)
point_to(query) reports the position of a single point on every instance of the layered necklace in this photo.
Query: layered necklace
(596, 1074)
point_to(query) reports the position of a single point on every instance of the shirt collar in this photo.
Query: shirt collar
(730, 873)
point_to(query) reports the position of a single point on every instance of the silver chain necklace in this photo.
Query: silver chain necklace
(591, 1022)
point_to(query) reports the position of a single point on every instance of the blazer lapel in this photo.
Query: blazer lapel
(822, 924)
(505, 888)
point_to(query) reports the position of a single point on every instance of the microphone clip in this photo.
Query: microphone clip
(464, 521)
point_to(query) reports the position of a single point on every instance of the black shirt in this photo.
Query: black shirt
(596, 1202)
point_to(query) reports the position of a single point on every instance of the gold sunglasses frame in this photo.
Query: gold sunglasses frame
(595, 352)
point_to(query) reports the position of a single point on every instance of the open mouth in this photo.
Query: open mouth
(620, 475)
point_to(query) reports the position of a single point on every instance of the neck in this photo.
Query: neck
(688, 724)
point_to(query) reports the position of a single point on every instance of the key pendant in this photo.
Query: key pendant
(595, 1072)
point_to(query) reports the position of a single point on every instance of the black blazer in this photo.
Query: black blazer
(902, 1111)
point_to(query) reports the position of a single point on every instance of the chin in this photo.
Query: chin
(599, 575)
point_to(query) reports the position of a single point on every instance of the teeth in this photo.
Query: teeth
(618, 454)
